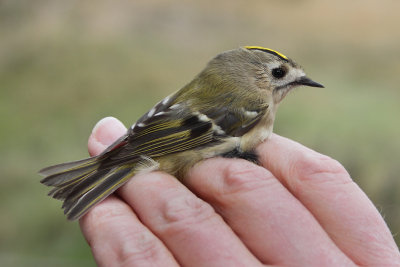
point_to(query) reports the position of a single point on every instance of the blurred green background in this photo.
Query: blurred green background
(66, 64)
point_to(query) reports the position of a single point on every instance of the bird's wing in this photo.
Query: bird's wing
(236, 121)
(167, 133)
(173, 127)
(167, 128)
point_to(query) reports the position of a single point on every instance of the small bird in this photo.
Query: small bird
(226, 111)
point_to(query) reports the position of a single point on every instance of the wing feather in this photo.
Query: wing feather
(181, 129)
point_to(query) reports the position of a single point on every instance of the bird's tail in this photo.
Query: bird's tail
(84, 183)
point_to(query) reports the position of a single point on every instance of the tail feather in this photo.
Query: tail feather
(65, 189)
(63, 167)
(84, 183)
(84, 186)
(109, 183)
(59, 174)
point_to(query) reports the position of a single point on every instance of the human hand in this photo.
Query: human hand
(298, 208)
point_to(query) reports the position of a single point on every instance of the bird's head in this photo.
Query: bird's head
(259, 68)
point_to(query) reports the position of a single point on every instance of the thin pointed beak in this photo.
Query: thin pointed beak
(308, 82)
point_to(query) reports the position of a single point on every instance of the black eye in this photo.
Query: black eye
(278, 72)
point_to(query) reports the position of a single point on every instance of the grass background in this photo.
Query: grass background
(66, 64)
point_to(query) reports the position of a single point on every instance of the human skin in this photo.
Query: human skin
(298, 208)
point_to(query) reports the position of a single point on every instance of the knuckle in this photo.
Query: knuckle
(106, 211)
(146, 248)
(320, 168)
(185, 211)
(243, 176)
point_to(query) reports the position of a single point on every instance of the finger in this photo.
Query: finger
(189, 227)
(268, 219)
(104, 133)
(117, 237)
(326, 189)
(113, 231)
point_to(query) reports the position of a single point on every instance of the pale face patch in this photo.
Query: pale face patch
(292, 75)
(273, 65)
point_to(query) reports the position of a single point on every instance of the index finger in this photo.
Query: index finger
(114, 232)
(328, 192)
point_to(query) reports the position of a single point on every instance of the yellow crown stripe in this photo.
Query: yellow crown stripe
(267, 50)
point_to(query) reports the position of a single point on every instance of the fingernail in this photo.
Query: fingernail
(107, 130)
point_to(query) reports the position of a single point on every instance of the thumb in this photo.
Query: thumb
(104, 133)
